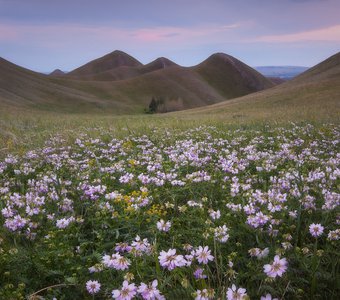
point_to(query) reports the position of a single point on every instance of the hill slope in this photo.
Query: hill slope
(23, 89)
(107, 62)
(314, 95)
(326, 70)
(121, 72)
(218, 78)
(124, 85)
(231, 77)
(57, 72)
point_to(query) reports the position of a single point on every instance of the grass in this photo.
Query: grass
(222, 140)
(289, 102)
(83, 203)
(201, 85)
(312, 97)
(21, 129)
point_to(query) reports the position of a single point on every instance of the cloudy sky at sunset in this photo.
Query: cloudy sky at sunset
(46, 34)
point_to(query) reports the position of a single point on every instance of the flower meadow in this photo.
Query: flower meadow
(205, 213)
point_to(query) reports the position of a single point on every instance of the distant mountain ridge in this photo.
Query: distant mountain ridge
(118, 83)
(283, 72)
(109, 61)
(117, 66)
(57, 72)
(231, 76)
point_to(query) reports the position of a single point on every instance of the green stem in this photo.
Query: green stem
(216, 263)
(314, 268)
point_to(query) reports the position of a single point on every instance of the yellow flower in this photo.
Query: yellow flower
(127, 145)
(132, 162)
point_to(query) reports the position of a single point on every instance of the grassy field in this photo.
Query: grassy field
(312, 97)
(235, 200)
(126, 88)
(147, 206)
(21, 130)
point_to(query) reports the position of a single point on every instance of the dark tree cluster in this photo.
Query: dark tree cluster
(155, 105)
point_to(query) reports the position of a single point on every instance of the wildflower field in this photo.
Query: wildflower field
(202, 213)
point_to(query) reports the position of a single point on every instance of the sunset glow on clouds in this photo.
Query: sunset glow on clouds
(329, 34)
(43, 35)
(152, 34)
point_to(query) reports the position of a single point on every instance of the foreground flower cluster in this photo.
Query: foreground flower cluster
(200, 214)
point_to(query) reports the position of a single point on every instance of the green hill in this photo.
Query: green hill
(24, 89)
(313, 95)
(117, 83)
(231, 77)
(108, 62)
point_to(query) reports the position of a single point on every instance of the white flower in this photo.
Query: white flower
(316, 229)
(93, 286)
(127, 292)
(221, 233)
(214, 214)
(116, 261)
(150, 292)
(204, 294)
(170, 260)
(203, 255)
(163, 226)
(277, 268)
(236, 294)
(268, 297)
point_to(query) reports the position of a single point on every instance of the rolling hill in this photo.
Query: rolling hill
(117, 67)
(313, 95)
(327, 70)
(57, 72)
(110, 61)
(24, 89)
(118, 83)
(231, 77)
(218, 78)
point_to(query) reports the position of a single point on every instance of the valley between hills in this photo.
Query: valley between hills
(115, 91)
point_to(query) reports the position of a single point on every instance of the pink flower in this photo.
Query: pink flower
(277, 268)
(93, 286)
(316, 229)
(141, 245)
(203, 255)
(127, 292)
(199, 274)
(214, 214)
(205, 294)
(116, 261)
(122, 263)
(268, 297)
(163, 226)
(170, 260)
(150, 292)
(236, 294)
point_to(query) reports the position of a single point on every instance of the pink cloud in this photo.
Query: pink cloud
(329, 34)
(63, 32)
(7, 33)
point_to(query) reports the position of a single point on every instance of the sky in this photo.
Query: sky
(43, 35)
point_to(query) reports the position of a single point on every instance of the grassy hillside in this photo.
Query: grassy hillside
(119, 72)
(309, 100)
(231, 77)
(22, 88)
(117, 84)
(110, 61)
(314, 95)
(327, 70)
(218, 78)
